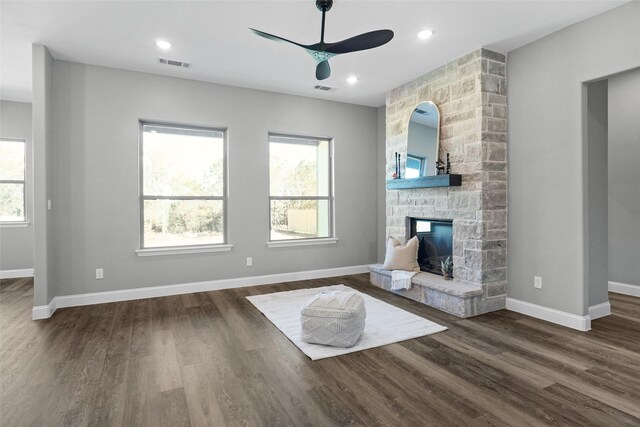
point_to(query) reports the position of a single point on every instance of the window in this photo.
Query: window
(301, 200)
(415, 166)
(183, 185)
(12, 173)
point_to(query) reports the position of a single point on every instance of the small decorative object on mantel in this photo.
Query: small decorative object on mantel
(443, 168)
(397, 165)
(395, 171)
(396, 174)
(446, 267)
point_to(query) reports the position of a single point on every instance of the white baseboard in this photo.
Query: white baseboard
(624, 288)
(600, 310)
(581, 323)
(43, 312)
(13, 274)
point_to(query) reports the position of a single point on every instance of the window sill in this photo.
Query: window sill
(14, 224)
(302, 242)
(183, 250)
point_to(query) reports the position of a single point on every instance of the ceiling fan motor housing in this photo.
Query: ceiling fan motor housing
(324, 5)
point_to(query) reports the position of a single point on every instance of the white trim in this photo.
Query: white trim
(302, 242)
(14, 224)
(13, 274)
(187, 288)
(581, 323)
(40, 312)
(624, 288)
(600, 310)
(183, 250)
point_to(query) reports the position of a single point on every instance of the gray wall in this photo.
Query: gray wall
(43, 244)
(546, 165)
(381, 182)
(96, 177)
(624, 178)
(16, 243)
(597, 193)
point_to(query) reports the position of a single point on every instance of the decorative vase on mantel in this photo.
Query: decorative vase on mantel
(446, 267)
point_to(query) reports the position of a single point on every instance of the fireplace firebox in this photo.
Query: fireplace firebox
(435, 237)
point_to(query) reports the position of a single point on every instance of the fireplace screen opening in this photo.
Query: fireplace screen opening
(435, 239)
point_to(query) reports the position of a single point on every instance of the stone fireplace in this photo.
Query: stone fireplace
(471, 94)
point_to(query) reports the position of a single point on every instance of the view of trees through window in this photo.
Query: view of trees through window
(183, 186)
(12, 173)
(300, 187)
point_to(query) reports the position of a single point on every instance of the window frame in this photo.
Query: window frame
(24, 219)
(177, 249)
(305, 241)
(422, 160)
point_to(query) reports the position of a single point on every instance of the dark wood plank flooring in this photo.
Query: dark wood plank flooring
(212, 359)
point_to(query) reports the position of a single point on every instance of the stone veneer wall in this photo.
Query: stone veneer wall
(471, 94)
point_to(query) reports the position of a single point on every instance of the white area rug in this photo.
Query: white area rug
(385, 323)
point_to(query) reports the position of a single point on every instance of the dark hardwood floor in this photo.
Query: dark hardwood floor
(212, 359)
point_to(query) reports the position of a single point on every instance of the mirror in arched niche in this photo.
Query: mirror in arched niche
(423, 141)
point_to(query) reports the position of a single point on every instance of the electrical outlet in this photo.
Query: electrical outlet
(249, 261)
(537, 282)
(99, 273)
(49, 204)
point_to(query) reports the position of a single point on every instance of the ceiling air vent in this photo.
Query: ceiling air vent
(419, 111)
(174, 63)
(324, 88)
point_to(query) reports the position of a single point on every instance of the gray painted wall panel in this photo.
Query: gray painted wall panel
(43, 245)
(16, 244)
(96, 179)
(597, 192)
(546, 201)
(624, 178)
(381, 182)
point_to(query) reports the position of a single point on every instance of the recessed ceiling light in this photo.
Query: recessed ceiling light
(425, 34)
(352, 80)
(163, 44)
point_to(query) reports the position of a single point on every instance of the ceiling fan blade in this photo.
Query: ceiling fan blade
(361, 42)
(323, 70)
(275, 38)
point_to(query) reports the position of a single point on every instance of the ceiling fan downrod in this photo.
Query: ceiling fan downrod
(323, 6)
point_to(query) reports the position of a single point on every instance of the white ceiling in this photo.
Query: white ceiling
(213, 37)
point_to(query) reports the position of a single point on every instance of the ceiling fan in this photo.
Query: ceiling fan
(322, 51)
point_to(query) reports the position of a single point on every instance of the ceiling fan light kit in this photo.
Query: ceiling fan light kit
(322, 51)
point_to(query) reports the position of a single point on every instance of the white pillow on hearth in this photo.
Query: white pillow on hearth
(401, 257)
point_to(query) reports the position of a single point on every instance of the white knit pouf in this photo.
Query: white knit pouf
(334, 318)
